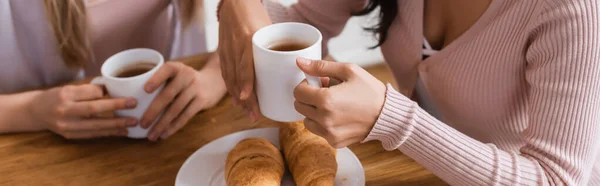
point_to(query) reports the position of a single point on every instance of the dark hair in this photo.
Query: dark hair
(387, 14)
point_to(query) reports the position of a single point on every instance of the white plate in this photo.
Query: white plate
(206, 166)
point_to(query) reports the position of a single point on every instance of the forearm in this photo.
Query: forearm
(450, 154)
(252, 11)
(15, 115)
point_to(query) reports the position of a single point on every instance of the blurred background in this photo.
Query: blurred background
(351, 46)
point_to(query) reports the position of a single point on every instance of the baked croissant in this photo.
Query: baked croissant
(254, 162)
(309, 157)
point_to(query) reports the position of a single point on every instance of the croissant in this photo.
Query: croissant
(254, 162)
(310, 159)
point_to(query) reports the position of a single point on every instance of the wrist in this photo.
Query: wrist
(214, 78)
(212, 66)
(33, 123)
(19, 116)
(212, 72)
(221, 2)
(380, 100)
(396, 121)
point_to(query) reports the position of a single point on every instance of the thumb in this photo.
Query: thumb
(322, 68)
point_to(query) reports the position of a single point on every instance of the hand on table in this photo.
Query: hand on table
(186, 93)
(71, 111)
(343, 113)
(239, 20)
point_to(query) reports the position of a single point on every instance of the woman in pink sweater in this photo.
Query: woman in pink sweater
(514, 84)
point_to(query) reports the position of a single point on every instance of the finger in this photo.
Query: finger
(226, 73)
(176, 108)
(96, 134)
(315, 127)
(85, 92)
(222, 51)
(236, 52)
(101, 124)
(230, 61)
(157, 129)
(325, 81)
(306, 110)
(321, 68)
(161, 76)
(307, 94)
(164, 98)
(253, 107)
(89, 108)
(333, 82)
(174, 111)
(183, 119)
(246, 71)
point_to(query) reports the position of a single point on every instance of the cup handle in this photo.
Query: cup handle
(313, 80)
(98, 81)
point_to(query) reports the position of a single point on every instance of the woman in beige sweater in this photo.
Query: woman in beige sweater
(51, 42)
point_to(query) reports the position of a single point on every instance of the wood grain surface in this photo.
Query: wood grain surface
(44, 158)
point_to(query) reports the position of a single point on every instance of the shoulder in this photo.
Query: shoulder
(565, 27)
(569, 6)
(575, 14)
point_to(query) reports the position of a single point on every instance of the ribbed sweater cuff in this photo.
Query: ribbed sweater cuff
(396, 120)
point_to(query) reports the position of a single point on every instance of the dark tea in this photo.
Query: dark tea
(135, 69)
(286, 46)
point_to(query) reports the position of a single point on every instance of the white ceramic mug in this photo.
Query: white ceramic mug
(132, 87)
(277, 73)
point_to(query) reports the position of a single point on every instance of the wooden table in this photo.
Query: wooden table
(47, 159)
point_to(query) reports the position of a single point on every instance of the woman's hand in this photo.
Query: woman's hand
(345, 113)
(70, 112)
(186, 93)
(239, 19)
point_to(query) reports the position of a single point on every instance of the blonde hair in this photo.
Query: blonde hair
(68, 21)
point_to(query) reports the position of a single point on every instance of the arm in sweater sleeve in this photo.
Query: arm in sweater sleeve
(329, 16)
(561, 146)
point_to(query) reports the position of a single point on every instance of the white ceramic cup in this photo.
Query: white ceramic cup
(277, 73)
(132, 87)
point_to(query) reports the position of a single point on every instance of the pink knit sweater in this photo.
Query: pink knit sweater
(519, 91)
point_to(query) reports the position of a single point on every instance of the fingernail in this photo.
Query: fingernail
(244, 95)
(131, 122)
(149, 88)
(130, 103)
(303, 61)
(246, 92)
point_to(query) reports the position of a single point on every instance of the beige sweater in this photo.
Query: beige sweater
(518, 92)
(30, 59)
